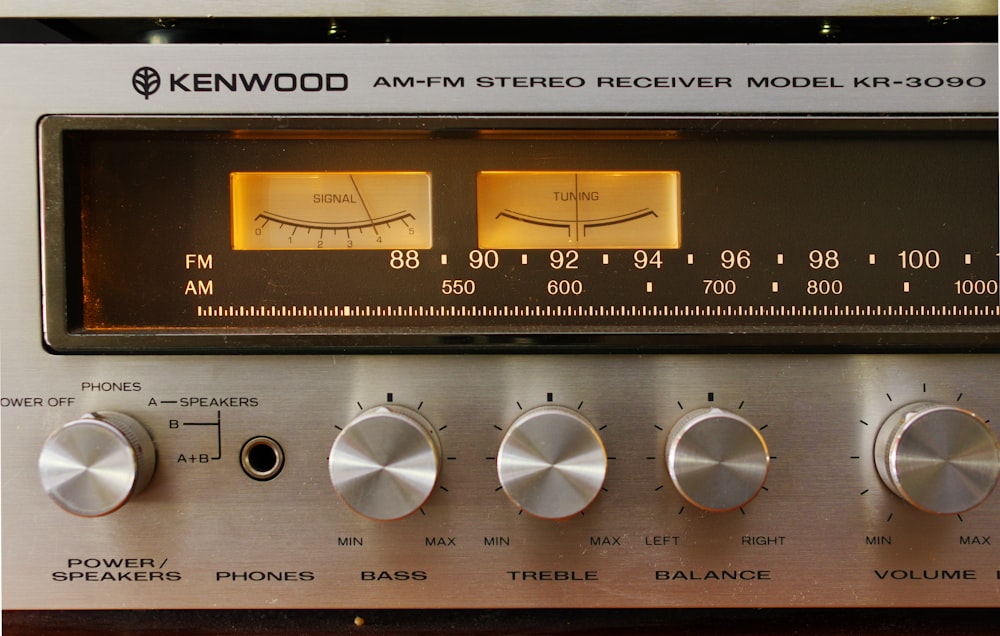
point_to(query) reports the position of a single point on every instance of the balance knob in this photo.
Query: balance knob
(941, 459)
(92, 466)
(552, 462)
(717, 460)
(385, 463)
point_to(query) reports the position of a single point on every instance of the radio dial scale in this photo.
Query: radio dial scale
(662, 229)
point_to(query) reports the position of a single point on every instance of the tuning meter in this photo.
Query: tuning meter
(597, 210)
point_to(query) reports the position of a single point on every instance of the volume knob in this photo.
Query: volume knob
(941, 459)
(552, 462)
(385, 463)
(717, 460)
(92, 466)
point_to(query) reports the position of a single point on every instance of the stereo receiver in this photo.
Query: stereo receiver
(482, 325)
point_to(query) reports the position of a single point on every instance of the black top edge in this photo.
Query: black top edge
(504, 30)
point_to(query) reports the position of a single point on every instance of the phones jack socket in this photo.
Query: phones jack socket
(262, 458)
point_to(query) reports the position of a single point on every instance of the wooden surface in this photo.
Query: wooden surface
(584, 622)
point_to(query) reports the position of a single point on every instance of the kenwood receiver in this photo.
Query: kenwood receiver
(460, 321)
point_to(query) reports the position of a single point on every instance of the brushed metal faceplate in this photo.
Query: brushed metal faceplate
(825, 532)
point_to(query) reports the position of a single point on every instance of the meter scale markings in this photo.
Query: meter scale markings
(337, 210)
(595, 210)
(576, 224)
(267, 216)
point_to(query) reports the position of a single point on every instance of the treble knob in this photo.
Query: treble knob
(385, 463)
(93, 465)
(939, 458)
(717, 460)
(552, 462)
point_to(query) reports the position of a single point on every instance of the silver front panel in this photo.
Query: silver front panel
(543, 79)
(825, 532)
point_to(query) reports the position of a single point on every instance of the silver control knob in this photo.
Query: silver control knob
(941, 459)
(552, 462)
(385, 463)
(717, 460)
(92, 466)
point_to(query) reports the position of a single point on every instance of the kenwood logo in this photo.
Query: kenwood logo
(146, 81)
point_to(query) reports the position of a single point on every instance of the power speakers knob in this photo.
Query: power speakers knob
(93, 465)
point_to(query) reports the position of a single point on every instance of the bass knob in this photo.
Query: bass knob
(385, 463)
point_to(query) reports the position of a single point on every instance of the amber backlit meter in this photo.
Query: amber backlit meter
(331, 210)
(598, 210)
